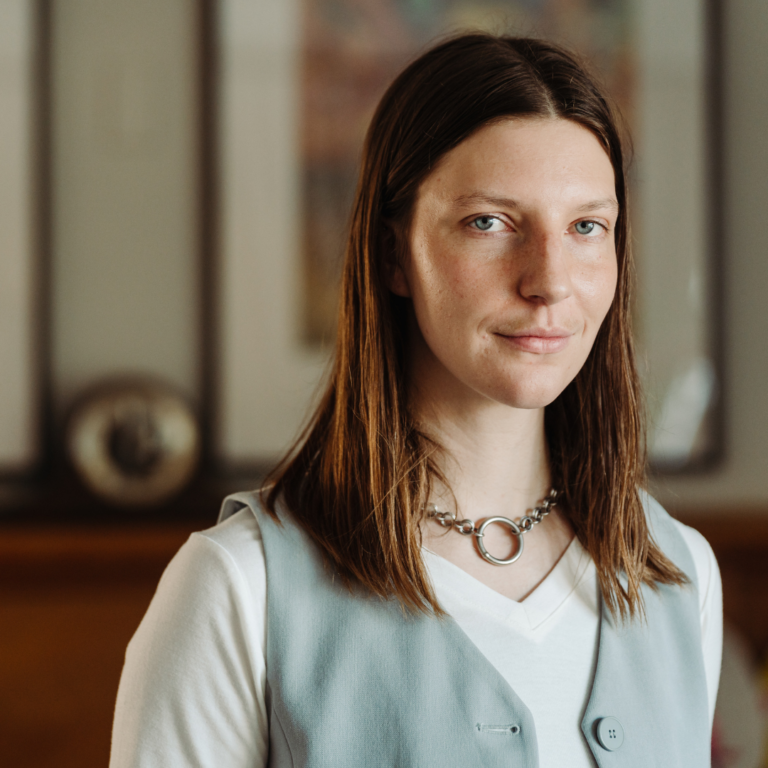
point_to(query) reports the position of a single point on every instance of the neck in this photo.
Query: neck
(494, 457)
(495, 463)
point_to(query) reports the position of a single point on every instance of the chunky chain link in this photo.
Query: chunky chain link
(468, 528)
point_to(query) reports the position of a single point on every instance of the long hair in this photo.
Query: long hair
(358, 478)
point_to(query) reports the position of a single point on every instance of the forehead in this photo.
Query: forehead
(530, 158)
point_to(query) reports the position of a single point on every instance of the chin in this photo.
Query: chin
(528, 395)
(529, 403)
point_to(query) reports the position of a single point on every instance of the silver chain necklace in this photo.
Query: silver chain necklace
(468, 528)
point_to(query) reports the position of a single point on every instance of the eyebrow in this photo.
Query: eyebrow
(606, 203)
(480, 197)
(609, 203)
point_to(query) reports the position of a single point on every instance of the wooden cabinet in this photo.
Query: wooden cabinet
(69, 602)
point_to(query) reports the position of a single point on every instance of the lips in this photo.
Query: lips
(538, 340)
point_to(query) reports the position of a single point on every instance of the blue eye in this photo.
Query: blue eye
(484, 223)
(585, 227)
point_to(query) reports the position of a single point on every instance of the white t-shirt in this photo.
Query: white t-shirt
(192, 691)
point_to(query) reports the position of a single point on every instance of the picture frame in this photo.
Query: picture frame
(20, 279)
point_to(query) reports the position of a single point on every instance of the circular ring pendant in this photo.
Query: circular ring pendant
(515, 530)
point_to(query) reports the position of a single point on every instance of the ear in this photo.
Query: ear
(397, 282)
(394, 274)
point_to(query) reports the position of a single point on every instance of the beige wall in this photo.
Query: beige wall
(18, 373)
(743, 477)
(124, 276)
(124, 262)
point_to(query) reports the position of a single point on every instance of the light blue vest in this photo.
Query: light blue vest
(353, 682)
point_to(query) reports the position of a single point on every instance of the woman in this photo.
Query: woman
(483, 367)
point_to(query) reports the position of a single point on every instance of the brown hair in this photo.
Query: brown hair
(358, 478)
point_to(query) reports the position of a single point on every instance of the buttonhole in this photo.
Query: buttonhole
(500, 729)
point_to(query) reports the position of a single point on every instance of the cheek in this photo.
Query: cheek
(444, 286)
(597, 288)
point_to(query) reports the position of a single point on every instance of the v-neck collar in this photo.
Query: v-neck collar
(529, 613)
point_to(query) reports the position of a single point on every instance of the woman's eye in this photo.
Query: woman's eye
(487, 223)
(586, 227)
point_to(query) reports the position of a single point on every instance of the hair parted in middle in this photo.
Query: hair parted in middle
(359, 477)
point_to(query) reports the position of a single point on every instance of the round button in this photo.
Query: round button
(610, 734)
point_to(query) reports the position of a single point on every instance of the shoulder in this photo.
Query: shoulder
(658, 517)
(219, 570)
(705, 569)
(210, 601)
(238, 537)
(194, 676)
(231, 555)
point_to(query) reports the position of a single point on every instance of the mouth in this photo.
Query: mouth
(542, 341)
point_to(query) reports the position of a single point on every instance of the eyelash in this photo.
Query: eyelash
(497, 218)
(591, 221)
(484, 216)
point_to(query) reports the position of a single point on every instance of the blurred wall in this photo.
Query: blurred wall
(743, 477)
(18, 408)
(124, 164)
(124, 262)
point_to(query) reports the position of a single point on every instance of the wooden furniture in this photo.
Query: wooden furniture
(740, 542)
(71, 597)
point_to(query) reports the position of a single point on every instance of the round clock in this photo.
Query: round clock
(133, 442)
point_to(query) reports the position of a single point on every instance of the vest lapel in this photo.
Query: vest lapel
(650, 672)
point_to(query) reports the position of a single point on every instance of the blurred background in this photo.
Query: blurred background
(175, 178)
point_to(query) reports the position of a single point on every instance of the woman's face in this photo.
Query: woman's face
(512, 265)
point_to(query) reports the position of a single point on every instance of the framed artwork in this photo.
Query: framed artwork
(678, 236)
(297, 85)
(19, 394)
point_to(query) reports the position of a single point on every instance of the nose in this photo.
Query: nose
(545, 277)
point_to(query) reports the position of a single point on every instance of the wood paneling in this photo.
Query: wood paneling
(740, 543)
(69, 602)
